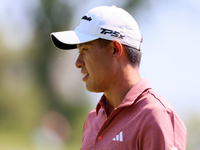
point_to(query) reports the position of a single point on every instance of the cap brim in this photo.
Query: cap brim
(69, 39)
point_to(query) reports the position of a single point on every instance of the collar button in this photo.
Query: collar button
(100, 138)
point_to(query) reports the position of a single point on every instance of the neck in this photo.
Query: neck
(120, 87)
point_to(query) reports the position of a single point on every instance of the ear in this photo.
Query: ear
(117, 49)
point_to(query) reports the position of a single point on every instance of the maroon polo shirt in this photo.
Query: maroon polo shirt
(143, 121)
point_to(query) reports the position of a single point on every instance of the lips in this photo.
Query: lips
(86, 74)
(85, 77)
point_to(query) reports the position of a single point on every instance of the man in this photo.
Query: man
(130, 115)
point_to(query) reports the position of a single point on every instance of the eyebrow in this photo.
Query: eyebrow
(82, 44)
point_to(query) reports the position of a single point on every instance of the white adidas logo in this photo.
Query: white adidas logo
(118, 137)
(174, 148)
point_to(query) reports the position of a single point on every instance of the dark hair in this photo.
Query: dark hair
(133, 54)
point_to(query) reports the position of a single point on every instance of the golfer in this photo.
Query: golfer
(130, 115)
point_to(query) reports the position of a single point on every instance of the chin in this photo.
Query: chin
(93, 89)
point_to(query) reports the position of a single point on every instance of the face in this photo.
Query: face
(95, 63)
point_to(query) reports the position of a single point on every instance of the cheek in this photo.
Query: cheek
(99, 63)
(97, 70)
(103, 72)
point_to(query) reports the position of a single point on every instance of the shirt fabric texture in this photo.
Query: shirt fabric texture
(143, 121)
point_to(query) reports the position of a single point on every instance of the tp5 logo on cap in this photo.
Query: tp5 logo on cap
(112, 33)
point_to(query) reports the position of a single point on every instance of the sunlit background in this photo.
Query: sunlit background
(43, 102)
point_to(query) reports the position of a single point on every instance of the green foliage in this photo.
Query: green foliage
(193, 130)
(25, 89)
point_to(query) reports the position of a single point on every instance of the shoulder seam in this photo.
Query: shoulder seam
(157, 99)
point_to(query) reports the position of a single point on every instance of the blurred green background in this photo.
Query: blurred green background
(43, 102)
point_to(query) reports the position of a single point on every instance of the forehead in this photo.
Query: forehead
(87, 43)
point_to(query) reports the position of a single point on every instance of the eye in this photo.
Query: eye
(84, 49)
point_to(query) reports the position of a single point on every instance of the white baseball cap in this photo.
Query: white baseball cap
(111, 23)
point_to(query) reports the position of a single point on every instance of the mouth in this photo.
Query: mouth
(85, 76)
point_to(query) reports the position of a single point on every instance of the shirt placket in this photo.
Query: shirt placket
(108, 121)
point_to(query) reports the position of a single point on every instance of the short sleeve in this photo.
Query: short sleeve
(162, 130)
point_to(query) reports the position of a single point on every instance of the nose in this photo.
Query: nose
(79, 62)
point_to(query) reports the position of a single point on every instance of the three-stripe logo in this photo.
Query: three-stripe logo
(118, 137)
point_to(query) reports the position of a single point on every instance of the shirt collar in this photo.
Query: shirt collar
(103, 103)
(130, 97)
